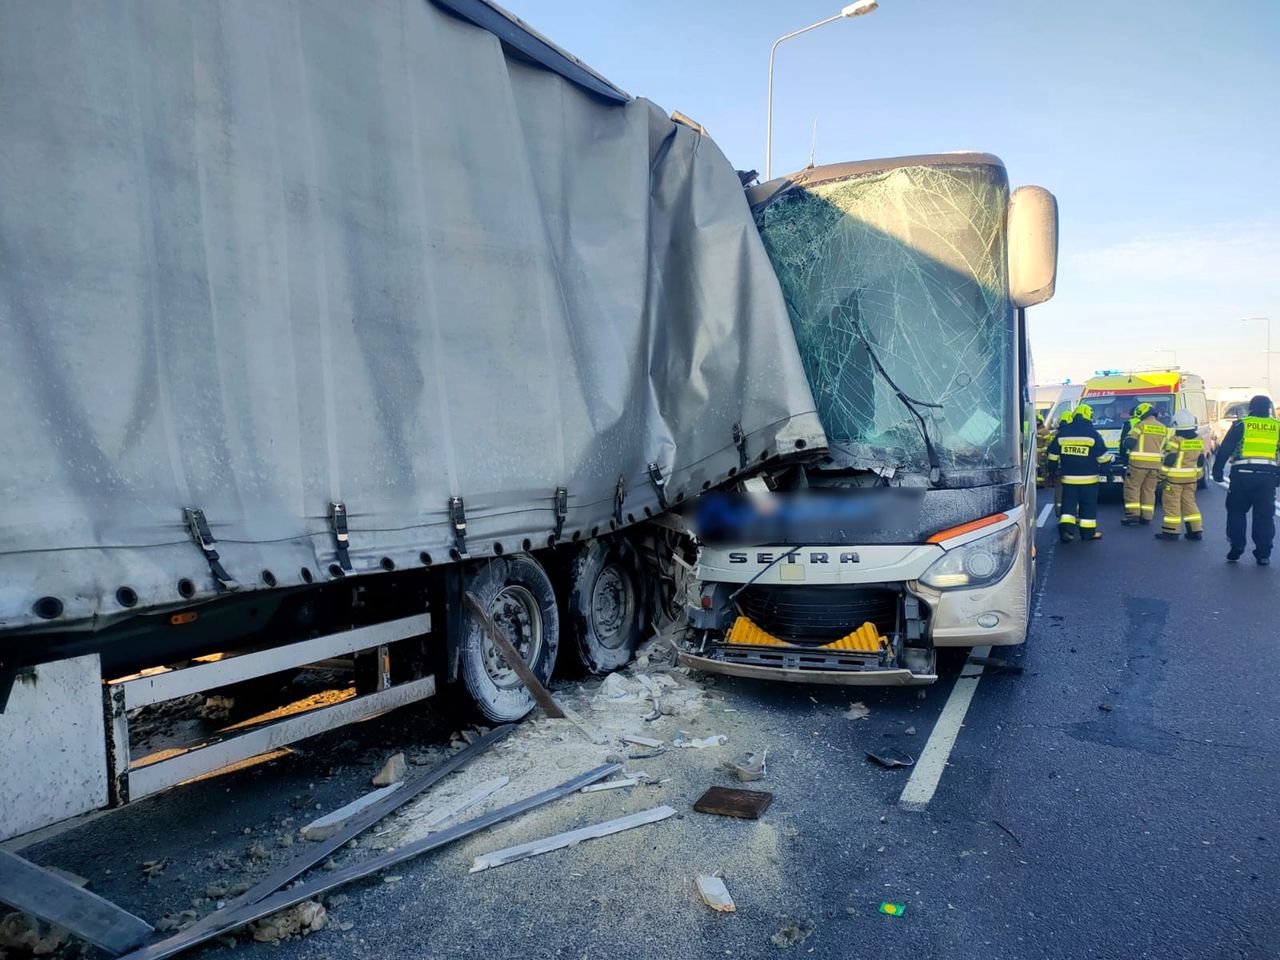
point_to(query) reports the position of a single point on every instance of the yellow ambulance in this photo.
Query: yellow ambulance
(1113, 395)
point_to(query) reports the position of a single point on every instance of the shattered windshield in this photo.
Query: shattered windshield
(897, 287)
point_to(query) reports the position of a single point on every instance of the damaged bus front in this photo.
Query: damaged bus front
(906, 282)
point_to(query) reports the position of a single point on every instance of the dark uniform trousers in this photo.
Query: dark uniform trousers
(1079, 508)
(1256, 492)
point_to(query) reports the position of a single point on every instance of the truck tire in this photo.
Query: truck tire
(604, 607)
(519, 597)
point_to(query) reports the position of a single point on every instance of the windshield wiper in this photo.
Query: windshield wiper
(911, 403)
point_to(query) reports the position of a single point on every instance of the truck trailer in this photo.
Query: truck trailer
(319, 317)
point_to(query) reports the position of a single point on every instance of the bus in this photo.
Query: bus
(906, 281)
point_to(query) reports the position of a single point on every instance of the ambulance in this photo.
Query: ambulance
(1113, 395)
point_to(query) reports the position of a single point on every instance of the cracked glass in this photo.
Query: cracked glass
(904, 268)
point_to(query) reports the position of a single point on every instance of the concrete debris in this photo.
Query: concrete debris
(216, 707)
(714, 893)
(257, 852)
(435, 818)
(751, 768)
(21, 932)
(153, 868)
(684, 740)
(392, 771)
(910, 731)
(331, 823)
(857, 711)
(792, 933)
(297, 921)
(215, 891)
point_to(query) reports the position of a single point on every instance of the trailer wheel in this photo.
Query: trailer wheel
(604, 608)
(518, 595)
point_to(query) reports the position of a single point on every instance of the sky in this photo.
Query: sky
(1156, 125)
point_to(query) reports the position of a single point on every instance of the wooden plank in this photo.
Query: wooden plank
(49, 897)
(509, 653)
(561, 840)
(229, 919)
(729, 802)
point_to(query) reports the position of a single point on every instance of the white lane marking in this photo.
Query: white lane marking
(1044, 514)
(928, 770)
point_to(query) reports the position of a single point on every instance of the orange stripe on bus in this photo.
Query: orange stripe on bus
(966, 528)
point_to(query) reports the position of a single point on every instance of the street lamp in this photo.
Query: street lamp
(1267, 378)
(856, 9)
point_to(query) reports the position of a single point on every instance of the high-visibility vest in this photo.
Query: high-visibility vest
(1151, 437)
(1261, 438)
(1185, 464)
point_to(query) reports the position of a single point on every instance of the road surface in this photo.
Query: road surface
(1113, 795)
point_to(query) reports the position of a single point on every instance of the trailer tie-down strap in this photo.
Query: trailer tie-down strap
(659, 484)
(338, 517)
(458, 519)
(198, 526)
(619, 498)
(562, 511)
(740, 441)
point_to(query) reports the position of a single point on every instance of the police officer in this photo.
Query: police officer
(1251, 446)
(1183, 467)
(1080, 450)
(1143, 441)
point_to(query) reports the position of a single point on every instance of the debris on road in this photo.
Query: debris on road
(297, 921)
(641, 741)
(611, 785)
(331, 823)
(536, 847)
(890, 757)
(684, 740)
(436, 817)
(857, 711)
(749, 769)
(1016, 838)
(392, 771)
(729, 802)
(792, 933)
(714, 893)
(892, 909)
(153, 868)
(910, 731)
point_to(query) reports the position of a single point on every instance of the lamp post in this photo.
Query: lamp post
(856, 9)
(1267, 378)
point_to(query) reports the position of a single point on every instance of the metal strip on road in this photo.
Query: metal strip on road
(928, 770)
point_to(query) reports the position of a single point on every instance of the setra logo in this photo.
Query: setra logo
(793, 556)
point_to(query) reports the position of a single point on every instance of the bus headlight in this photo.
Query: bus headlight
(975, 564)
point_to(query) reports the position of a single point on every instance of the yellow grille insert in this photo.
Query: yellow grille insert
(866, 639)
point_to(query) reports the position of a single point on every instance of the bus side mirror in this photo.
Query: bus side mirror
(1033, 245)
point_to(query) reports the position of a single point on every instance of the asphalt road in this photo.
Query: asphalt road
(1116, 798)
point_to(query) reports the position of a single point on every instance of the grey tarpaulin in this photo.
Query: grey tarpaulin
(258, 258)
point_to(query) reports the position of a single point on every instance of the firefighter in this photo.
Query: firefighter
(1183, 467)
(1080, 450)
(1144, 443)
(1043, 436)
(1251, 445)
(1053, 461)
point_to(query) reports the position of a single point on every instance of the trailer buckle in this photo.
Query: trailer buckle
(740, 441)
(659, 484)
(619, 497)
(198, 527)
(562, 512)
(458, 519)
(338, 518)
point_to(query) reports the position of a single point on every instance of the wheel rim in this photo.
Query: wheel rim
(612, 606)
(514, 611)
